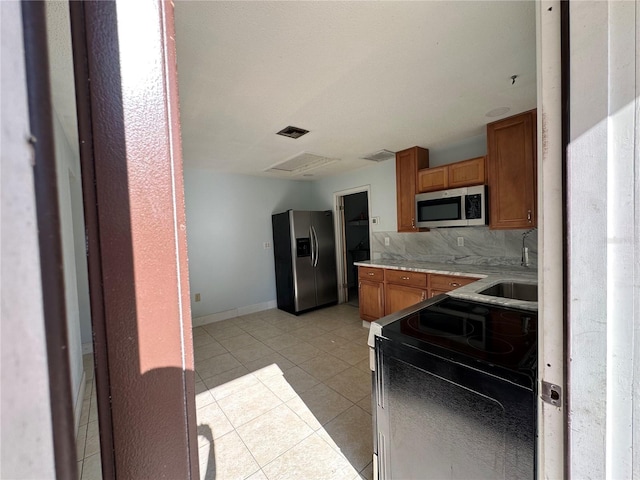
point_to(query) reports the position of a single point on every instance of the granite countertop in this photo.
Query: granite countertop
(488, 275)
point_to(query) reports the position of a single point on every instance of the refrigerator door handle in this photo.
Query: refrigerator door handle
(316, 246)
(312, 259)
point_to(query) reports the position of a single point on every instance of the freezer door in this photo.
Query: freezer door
(325, 257)
(303, 255)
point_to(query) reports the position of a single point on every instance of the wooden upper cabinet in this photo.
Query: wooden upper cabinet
(455, 175)
(408, 162)
(467, 173)
(432, 179)
(511, 165)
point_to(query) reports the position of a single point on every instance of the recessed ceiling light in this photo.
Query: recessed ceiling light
(292, 132)
(496, 112)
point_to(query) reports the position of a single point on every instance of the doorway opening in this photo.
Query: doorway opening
(354, 239)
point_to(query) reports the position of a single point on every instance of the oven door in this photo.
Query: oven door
(436, 418)
(439, 210)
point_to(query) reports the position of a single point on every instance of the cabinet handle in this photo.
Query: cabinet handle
(454, 284)
(424, 295)
(529, 216)
(413, 222)
(359, 284)
(404, 278)
(371, 274)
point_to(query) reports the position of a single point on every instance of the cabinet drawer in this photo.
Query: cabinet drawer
(370, 273)
(447, 283)
(399, 277)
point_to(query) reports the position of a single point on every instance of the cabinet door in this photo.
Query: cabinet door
(408, 162)
(433, 179)
(467, 173)
(371, 300)
(511, 157)
(398, 297)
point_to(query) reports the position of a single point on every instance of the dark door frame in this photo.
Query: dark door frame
(49, 237)
(131, 164)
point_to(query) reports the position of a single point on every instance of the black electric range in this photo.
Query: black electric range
(455, 391)
(489, 337)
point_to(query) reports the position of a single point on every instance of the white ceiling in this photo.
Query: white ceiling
(361, 76)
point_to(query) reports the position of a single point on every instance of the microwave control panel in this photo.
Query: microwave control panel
(473, 206)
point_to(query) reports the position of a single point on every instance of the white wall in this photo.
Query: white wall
(82, 272)
(228, 221)
(26, 434)
(471, 147)
(67, 164)
(380, 177)
(603, 178)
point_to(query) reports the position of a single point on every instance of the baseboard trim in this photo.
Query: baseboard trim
(235, 312)
(77, 410)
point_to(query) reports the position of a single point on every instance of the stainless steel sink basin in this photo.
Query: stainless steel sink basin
(516, 291)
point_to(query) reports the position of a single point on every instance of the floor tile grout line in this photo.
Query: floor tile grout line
(312, 432)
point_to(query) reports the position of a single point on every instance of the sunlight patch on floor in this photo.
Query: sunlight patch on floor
(257, 426)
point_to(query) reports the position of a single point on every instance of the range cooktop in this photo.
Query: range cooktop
(472, 333)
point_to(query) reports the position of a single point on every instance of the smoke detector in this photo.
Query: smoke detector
(292, 132)
(380, 156)
(300, 163)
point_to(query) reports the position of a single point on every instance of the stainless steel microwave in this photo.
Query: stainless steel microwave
(457, 207)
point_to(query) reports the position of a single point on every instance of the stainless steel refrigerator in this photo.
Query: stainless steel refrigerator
(305, 260)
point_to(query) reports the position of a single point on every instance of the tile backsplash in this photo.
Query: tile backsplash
(481, 246)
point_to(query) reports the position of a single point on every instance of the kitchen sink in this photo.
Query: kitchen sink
(516, 291)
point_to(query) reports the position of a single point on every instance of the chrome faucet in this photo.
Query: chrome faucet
(525, 250)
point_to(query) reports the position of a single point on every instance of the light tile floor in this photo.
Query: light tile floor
(277, 397)
(87, 439)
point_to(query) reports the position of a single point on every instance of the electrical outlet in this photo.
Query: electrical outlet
(266, 245)
(386, 241)
(375, 220)
(197, 297)
(461, 241)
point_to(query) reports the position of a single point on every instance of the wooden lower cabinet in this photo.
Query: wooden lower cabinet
(397, 297)
(371, 300)
(385, 291)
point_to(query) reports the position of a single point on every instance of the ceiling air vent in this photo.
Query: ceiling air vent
(380, 156)
(303, 162)
(293, 132)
